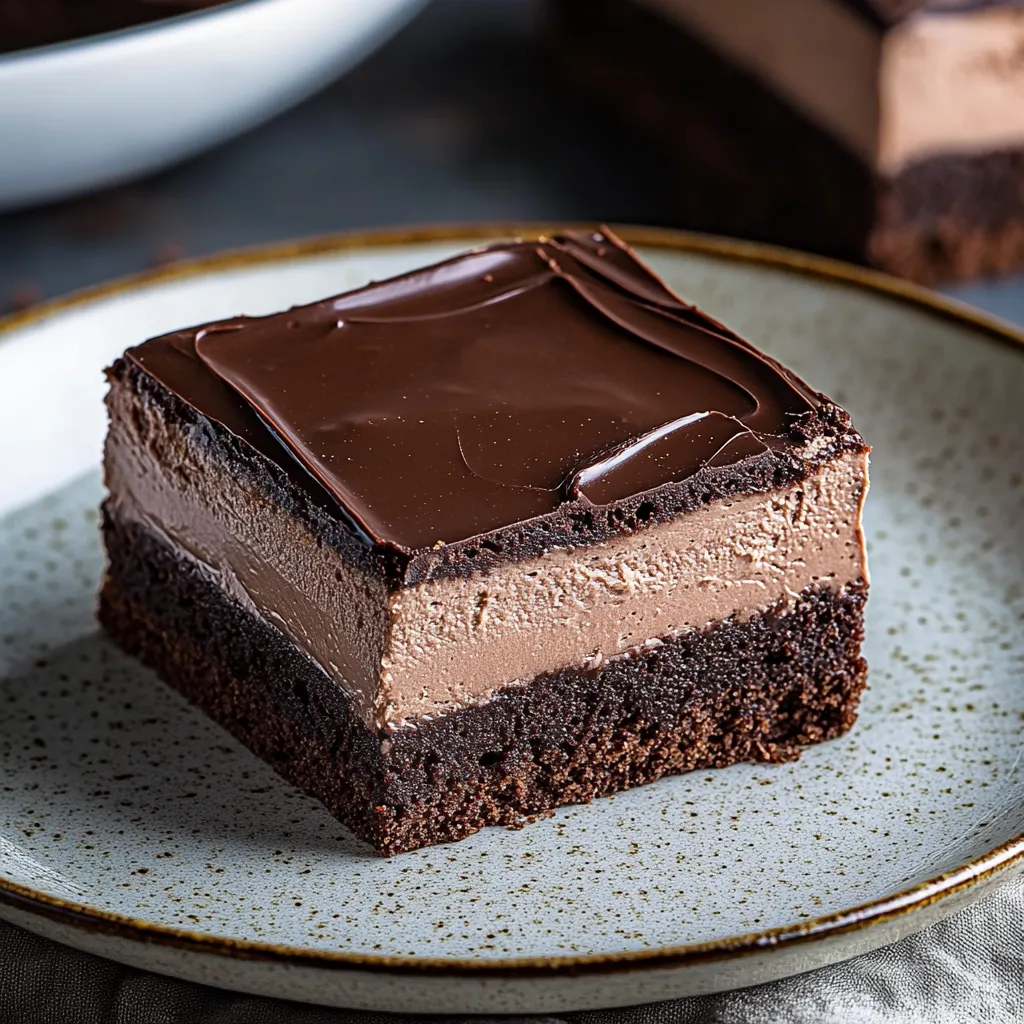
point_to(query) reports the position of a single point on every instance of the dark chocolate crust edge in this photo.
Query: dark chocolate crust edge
(757, 690)
(754, 167)
(574, 524)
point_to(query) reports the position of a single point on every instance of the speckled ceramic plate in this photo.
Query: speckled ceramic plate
(133, 827)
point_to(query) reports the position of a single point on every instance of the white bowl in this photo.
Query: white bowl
(102, 109)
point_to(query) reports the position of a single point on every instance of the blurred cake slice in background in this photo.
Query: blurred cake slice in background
(883, 131)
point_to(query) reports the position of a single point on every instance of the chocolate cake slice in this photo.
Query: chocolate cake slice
(510, 532)
(881, 131)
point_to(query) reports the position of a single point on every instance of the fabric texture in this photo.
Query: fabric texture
(968, 969)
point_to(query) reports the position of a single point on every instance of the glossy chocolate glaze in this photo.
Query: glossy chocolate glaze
(494, 388)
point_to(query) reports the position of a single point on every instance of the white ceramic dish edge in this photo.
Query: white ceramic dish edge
(97, 111)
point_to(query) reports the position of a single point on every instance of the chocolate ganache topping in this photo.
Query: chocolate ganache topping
(488, 389)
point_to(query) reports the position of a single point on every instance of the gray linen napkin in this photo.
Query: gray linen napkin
(966, 970)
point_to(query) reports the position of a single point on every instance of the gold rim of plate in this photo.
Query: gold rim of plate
(995, 862)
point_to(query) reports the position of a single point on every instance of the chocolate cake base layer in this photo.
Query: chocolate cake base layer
(752, 691)
(952, 217)
(752, 166)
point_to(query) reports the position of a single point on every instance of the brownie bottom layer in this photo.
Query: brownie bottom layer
(752, 166)
(952, 217)
(752, 691)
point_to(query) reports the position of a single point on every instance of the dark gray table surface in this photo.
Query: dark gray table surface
(458, 118)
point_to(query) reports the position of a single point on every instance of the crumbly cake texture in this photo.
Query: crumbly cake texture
(755, 165)
(422, 691)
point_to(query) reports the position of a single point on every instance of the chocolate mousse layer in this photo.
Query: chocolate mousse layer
(882, 132)
(443, 643)
(369, 535)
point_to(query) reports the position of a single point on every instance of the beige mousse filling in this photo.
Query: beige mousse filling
(455, 641)
(934, 84)
(434, 647)
(258, 553)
